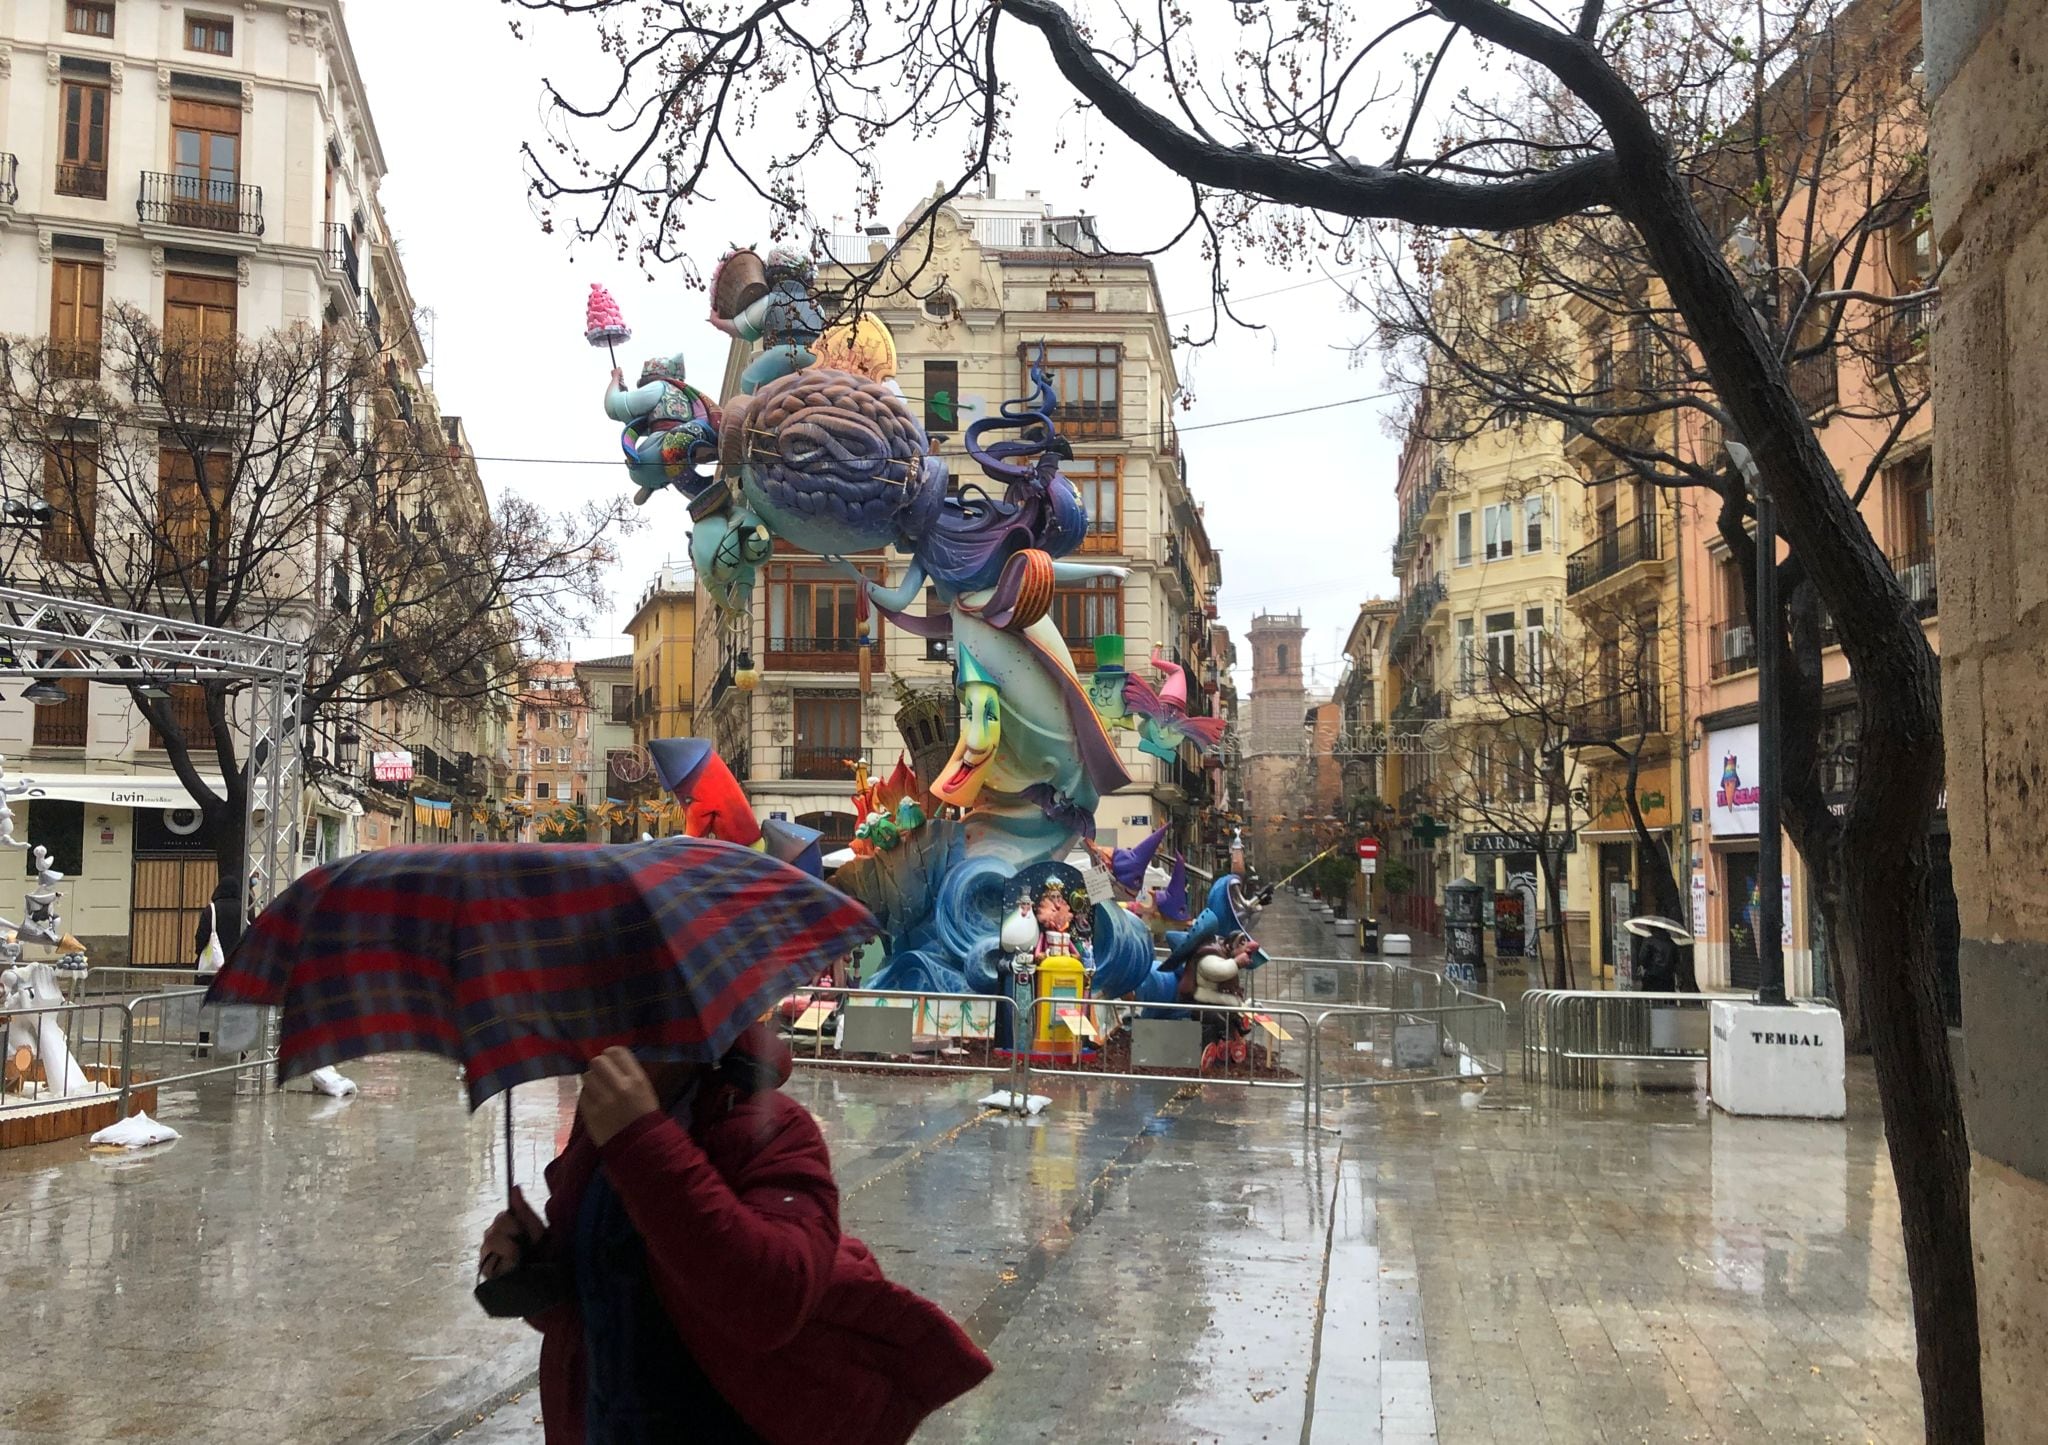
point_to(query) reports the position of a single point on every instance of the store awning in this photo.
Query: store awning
(109, 790)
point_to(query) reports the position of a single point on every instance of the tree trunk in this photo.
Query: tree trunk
(1553, 904)
(1898, 777)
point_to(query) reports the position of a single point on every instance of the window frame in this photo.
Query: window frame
(824, 730)
(1461, 539)
(622, 714)
(1468, 651)
(176, 469)
(1104, 473)
(1535, 509)
(1073, 603)
(216, 26)
(102, 11)
(79, 137)
(935, 424)
(73, 511)
(68, 724)
(74, 348)
(1534, 629)
(1498, 521)
(1500, 646)
(801, 651)
(1078, 415)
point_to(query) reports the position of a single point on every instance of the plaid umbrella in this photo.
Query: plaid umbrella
(521, 961)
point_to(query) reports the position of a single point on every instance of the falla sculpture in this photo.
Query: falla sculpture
(819, 451)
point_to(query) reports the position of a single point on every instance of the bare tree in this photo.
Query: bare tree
(1812, 171)
(1265, 131)
(225, 483)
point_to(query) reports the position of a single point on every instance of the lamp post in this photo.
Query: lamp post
(1769, 738)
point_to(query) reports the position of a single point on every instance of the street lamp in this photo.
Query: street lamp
(1769, 736)
(347, 749)
(44, 692)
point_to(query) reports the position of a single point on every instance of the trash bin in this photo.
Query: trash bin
(1369, 937)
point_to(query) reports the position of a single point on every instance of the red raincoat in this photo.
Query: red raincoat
(791, 1320)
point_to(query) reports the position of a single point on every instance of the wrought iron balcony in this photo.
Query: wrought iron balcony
(813, 654)
(1613, 552)
(1902, 337)
(1815, 382)
(1633, 712)
(1736, 650)
(10, 190)
(76, 178)
(1423, 599)
(341, 256)
(200, 203)
(1916, 572)
(814, 763)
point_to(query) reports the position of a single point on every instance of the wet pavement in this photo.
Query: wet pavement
(1145, 1263)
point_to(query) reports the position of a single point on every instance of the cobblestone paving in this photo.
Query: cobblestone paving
(1145, 1264)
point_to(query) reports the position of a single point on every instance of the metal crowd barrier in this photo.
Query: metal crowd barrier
(1568, 1034)
(153, 1039)
(875, 1028)
(1170, 1041)
(163, 1043)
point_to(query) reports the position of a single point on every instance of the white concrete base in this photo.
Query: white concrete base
(1784, 1062)
(1396, 945)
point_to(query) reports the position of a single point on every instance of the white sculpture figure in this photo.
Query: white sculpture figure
(9, 790)
(39, 923)
(34, 985)
(1019, 934)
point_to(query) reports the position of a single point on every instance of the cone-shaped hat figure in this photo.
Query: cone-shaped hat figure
(714, 806)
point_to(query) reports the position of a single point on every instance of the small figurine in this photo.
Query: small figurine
(1054, 915)
(671, 428)
(770, 303)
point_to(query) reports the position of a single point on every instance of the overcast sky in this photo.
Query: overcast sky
(1302, 506)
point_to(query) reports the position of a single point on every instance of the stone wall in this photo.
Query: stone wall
(1987, 79)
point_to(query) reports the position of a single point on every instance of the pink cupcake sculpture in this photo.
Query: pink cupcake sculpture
(603, 323)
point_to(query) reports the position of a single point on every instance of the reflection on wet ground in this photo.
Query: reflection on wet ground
(1145, 1263)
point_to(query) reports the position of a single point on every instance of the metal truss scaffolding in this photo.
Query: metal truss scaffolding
(55, 637)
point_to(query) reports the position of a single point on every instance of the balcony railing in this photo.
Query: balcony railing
(1734, 651)
(1036, 233)
(821, 764)
(814, 654)
(200, 377)
(200, 204)
(10, 189)
(1420, 706)
(1426, 492)
(1916, 573)
(1815, 382)
(74, 360)
(76, 178)
(341, 255)
(1903, 334)
(1612, 552)
(1423, 598)
(1633, 712)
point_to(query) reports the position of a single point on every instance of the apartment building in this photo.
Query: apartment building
(1868, 399)
(213, 167)
(1017, 277)
(612, 757)
(1489, 513)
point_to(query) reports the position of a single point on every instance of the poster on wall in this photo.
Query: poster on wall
(1785, 913)
(1733, 793)
(1699, 904)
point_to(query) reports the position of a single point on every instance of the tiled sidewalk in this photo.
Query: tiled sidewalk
(1145, 1264)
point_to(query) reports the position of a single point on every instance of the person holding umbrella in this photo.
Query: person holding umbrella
(690, 1281)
